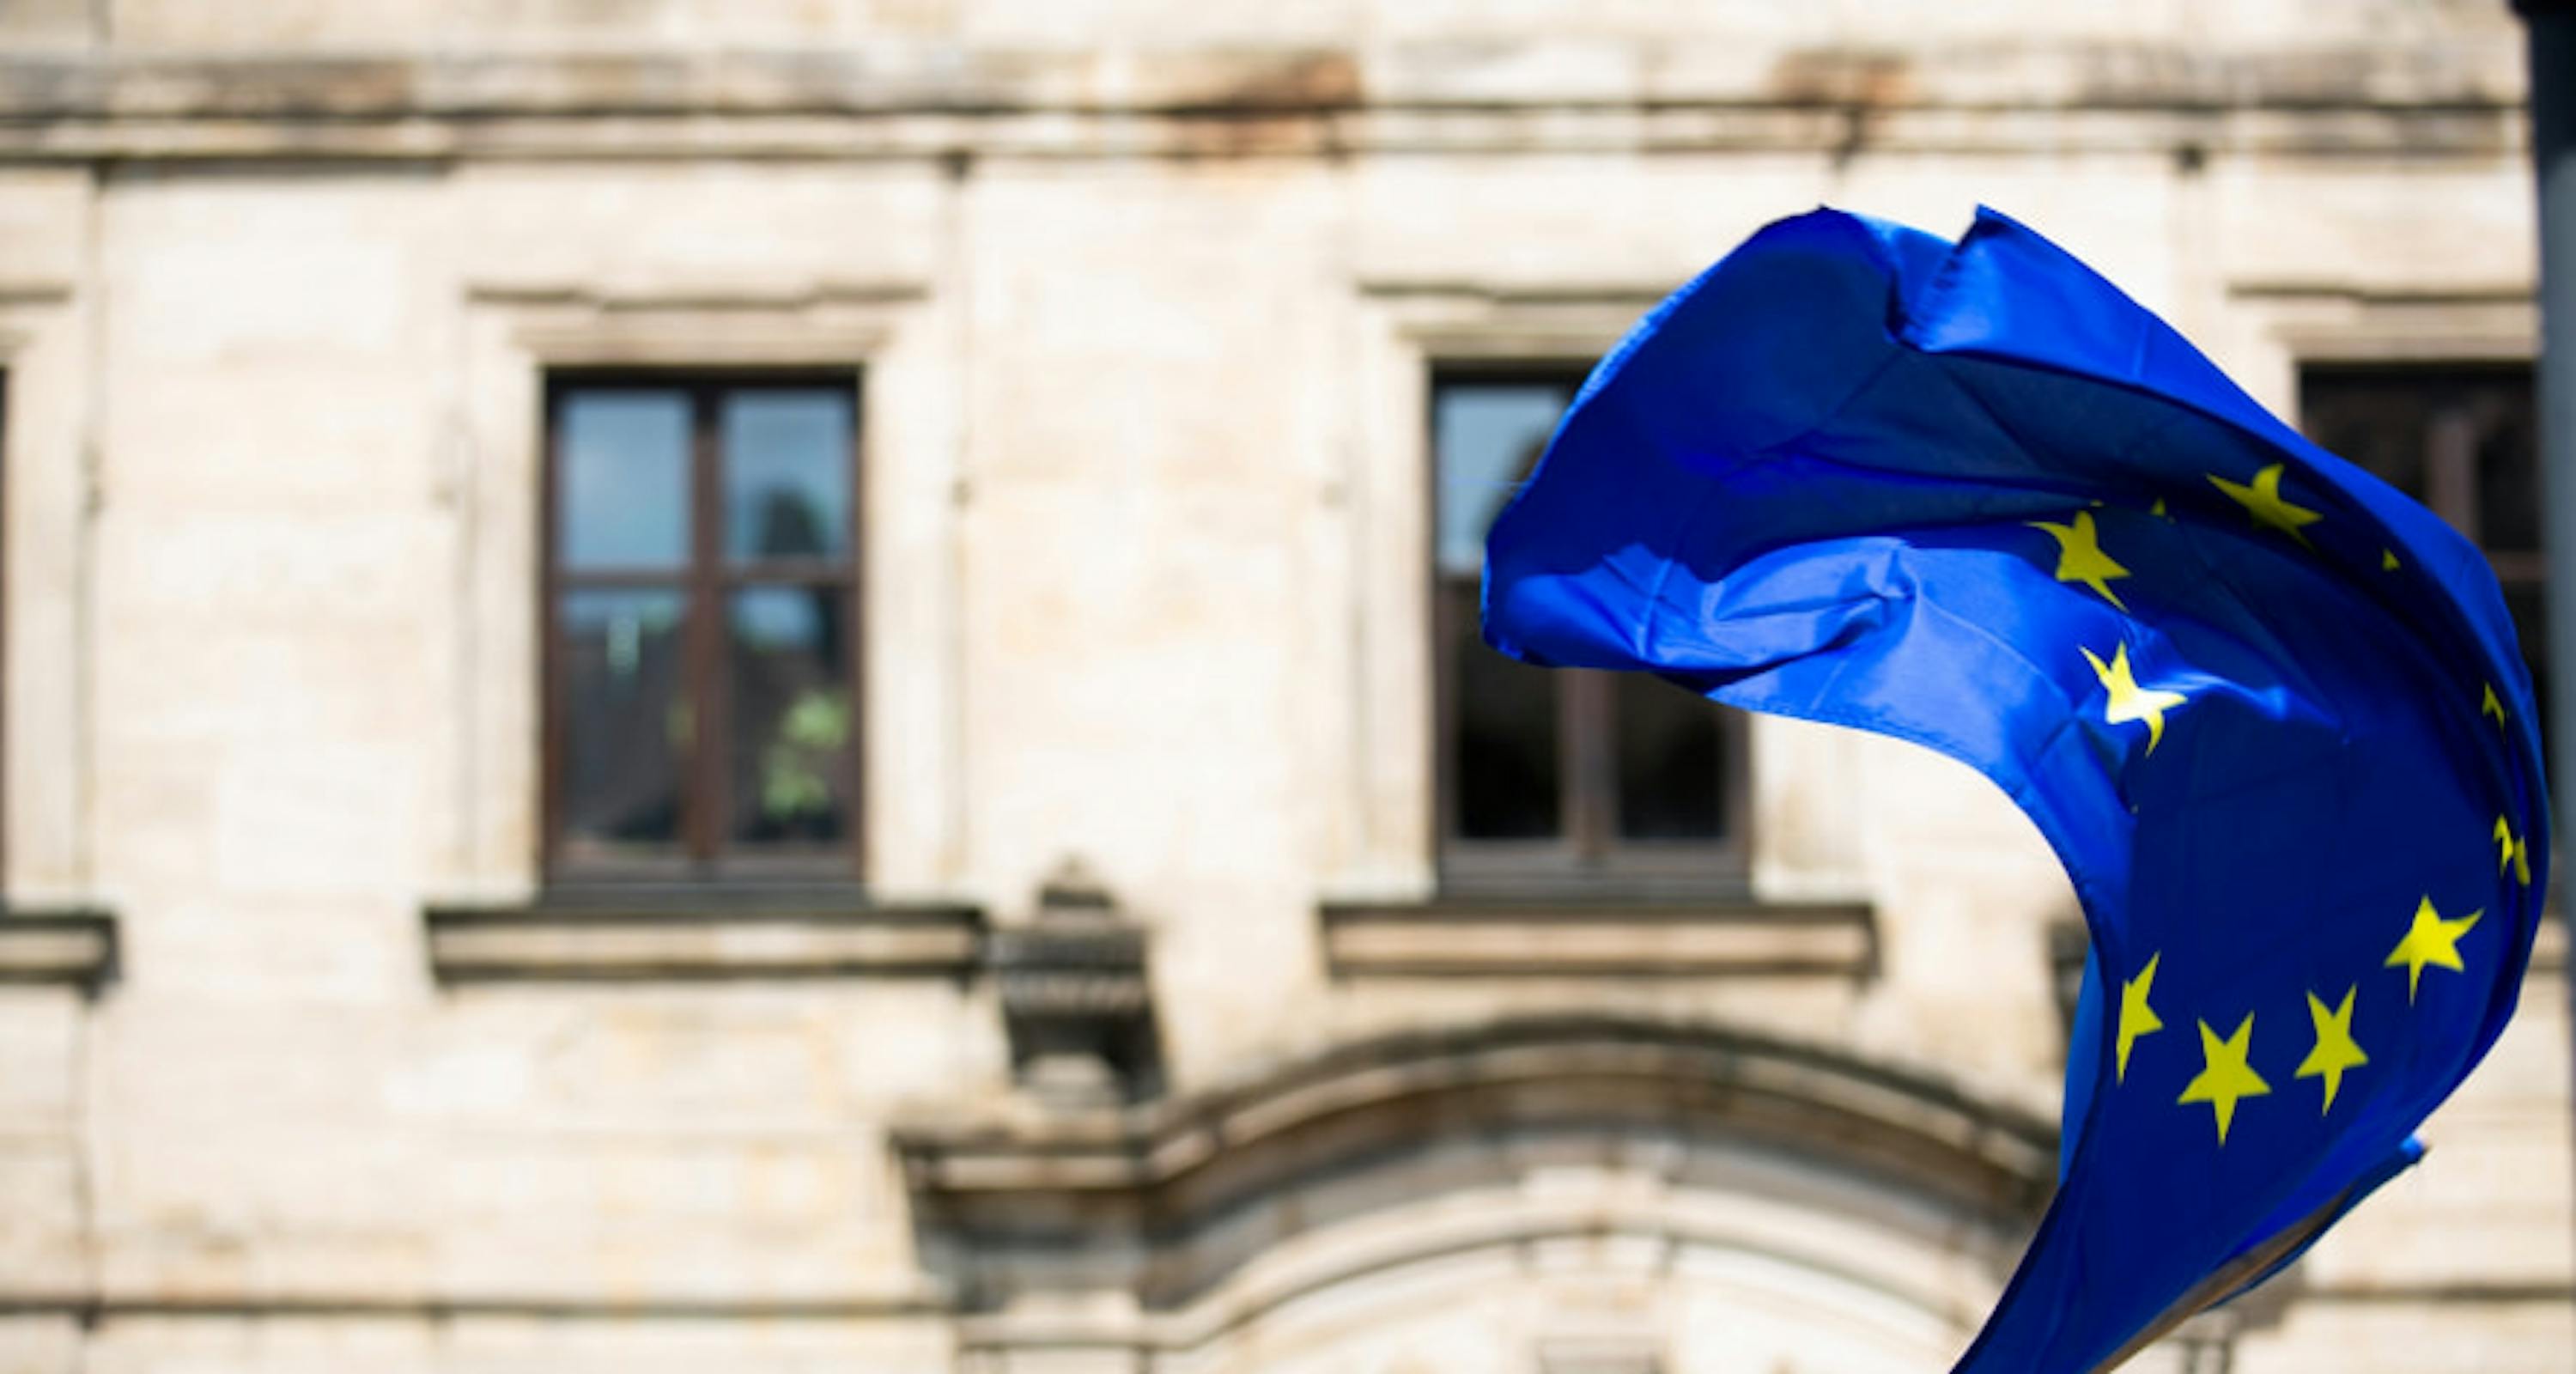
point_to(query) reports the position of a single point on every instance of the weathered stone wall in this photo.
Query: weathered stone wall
(1145, 293)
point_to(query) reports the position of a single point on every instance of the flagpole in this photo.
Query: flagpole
(2552, 48)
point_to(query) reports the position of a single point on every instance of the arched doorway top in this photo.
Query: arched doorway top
(1168, 1200)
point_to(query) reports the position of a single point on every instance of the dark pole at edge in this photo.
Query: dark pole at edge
(2552, 46)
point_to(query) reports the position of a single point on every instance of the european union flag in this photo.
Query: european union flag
(2268, 711)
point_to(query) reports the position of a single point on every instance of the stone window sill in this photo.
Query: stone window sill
(702, 934)
(72, 947)
(1462, 936)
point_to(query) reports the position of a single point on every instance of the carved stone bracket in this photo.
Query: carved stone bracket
(1075, 998)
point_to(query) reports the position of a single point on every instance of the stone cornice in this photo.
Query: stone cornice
(2490, 134)
(924, 101)
(93, 1308)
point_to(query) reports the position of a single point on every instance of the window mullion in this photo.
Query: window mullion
(706, 808)
(2451, 465)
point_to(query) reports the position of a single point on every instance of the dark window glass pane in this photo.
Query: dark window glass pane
(787, 474)
(1669, 757)
(2354, 414)
(623, 501)
(1507, 778)
(2508, 457)
(624, 716)
(2458, 438)
(1486, 436)
(791, 716)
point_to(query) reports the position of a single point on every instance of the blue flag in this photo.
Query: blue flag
(2268, 711)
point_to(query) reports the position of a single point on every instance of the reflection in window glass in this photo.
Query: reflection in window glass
(624, 498)
(790, 716)
(786, 474)
(1489, 435)
(702, 650)
(624, 713)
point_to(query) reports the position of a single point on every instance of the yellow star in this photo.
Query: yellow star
(2129, 701)
(2263, 501)
(2512, 849)
(2335, 1051)
(2388, 560)
(2158, 509)
(2431, 940)
(2492, 707)
(2080, 557)
(2225, 1077)
(2136, 1017)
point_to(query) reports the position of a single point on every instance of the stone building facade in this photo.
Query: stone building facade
(762, 685)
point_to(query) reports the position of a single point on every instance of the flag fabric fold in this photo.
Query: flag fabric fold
(2269, 712)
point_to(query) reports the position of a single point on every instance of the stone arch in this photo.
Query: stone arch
(1697, 1168)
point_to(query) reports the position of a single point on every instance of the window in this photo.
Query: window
(701, 627)
(2461, 439)
(1547, 774)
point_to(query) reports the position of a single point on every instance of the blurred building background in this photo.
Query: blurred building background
(790, 685)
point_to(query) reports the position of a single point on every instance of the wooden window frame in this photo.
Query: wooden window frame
(705, 581)
(1588, 856)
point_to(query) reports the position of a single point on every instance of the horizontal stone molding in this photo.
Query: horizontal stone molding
(714, 935)
(22, 294)
(2478, 135)
(71, 948)
(2458, 1293)
(942, 100)
(1455, 937)
(971, 78)
(91, 1308)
